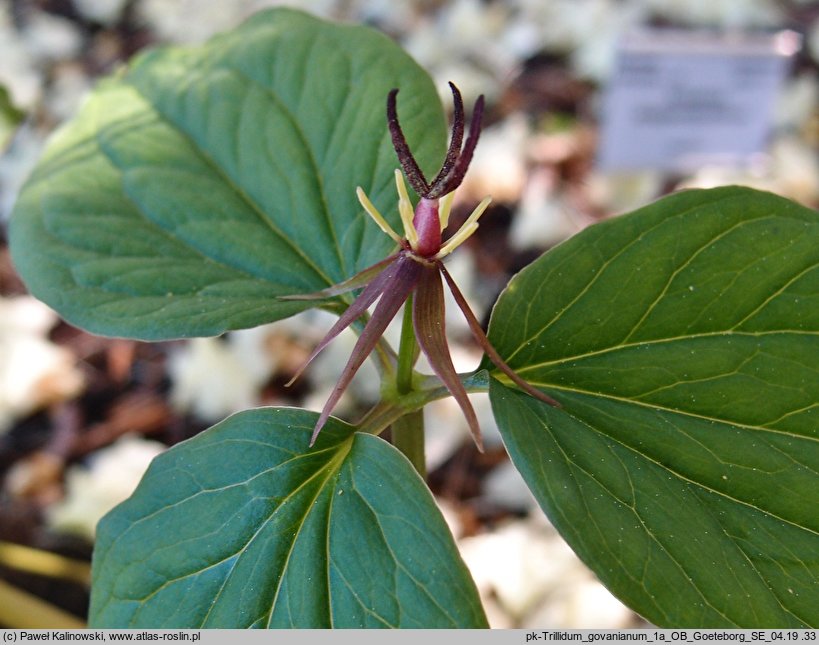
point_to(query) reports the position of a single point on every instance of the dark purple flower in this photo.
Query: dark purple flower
(416, 269)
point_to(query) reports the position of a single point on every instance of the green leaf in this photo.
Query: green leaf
(242, 526)
(202, 183)
(683, 344)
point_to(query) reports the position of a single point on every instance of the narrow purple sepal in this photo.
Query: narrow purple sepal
(367, 297)
(360, 279)
(430, 331)
(490, 351)
(403, 275)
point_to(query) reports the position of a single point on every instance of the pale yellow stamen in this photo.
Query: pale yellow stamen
(406, 210)
(445, 209)
(372, 211)
(469, 227)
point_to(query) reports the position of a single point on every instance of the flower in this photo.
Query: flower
(416, 269)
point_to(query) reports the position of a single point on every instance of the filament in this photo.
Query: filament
(468, 228)
(446, 208)
(372, 211)
(405, 209)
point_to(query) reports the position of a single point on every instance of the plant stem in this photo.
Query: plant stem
(408, 437)
(408, 430)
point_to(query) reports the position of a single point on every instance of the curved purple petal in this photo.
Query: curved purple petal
(456, 176)
(457, 138)
(412, 170)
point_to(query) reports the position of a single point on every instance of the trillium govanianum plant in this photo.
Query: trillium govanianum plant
(413, 274)
(207, 189)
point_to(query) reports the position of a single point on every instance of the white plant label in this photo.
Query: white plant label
(681, 100)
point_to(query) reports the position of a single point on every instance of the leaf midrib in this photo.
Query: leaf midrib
(42, 176)
(534, 368)
(202, 491)
(333, 467)
(658, 407)
(657, 341)
(238, 190)
(297, 128)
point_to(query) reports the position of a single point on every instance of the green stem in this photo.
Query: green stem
(408, 437)
(408, 430)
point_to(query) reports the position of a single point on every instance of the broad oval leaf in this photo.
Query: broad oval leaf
(683, 344)
(242, 526)
(202, 183)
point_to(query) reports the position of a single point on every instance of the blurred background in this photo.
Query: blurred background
(82, 416)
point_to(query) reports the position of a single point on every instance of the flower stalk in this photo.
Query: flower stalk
(408, 430)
